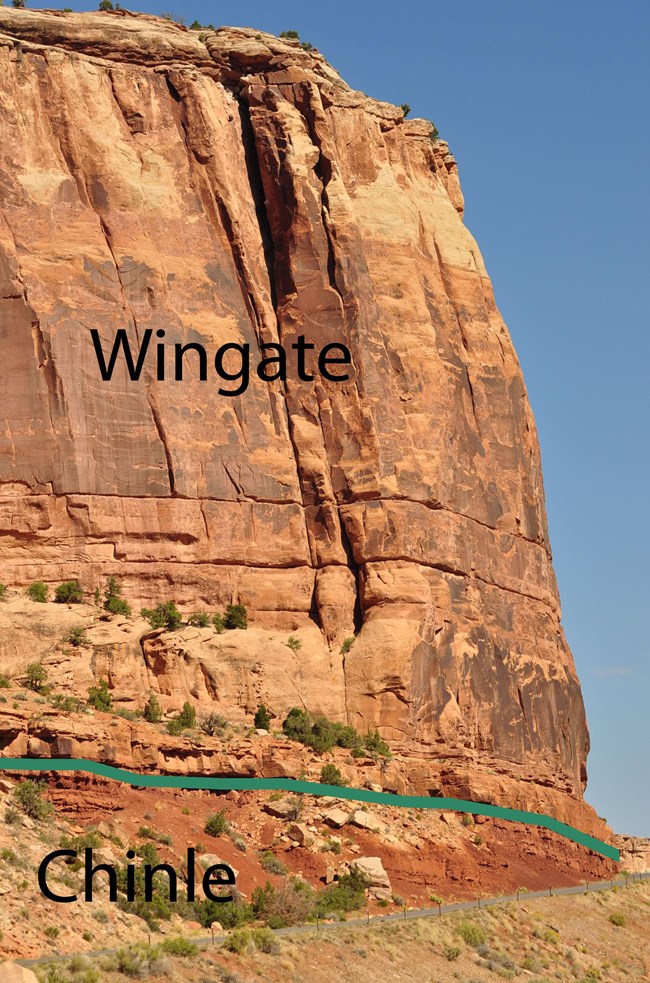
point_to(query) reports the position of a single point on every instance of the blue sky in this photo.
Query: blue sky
(545, 105)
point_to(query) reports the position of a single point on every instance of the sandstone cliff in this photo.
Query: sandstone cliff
(229, 186)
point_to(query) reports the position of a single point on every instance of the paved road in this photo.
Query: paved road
(398, 916)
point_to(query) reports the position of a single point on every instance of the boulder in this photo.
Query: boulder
(336, 817)
(282, 809)
(301, 834)
(372, 869)
(367, 820)
(210, 859)
(11, 972)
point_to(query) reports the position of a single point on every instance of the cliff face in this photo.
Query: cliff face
(227, 187)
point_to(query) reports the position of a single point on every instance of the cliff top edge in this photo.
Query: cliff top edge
(227, 54)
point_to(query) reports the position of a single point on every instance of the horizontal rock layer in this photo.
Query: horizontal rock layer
(229, 186)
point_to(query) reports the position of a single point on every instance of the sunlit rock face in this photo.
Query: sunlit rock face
(229, 187)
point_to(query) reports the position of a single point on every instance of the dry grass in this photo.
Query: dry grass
(565, 938)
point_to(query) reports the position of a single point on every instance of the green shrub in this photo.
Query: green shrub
(159, 908)
(216, 824)
(472, 934)
(200, 619)
(289, 904)
(616, 918)
(152, 710)
(91, 839)
(100, 698)
(69, 704)
(218, 623)
(467, 820)
(330, 775)
(180, 947)
(451, 952)
(113, 600)
(29, 798)
(272, 864)
(478, 840)
(213, 724)
(376, 745)
(331, 846)
(406, 109)
(435, 133)
(187, 716)
(347, 645)
(184, 720)
(3, 592)
(294, 643)
(18, 3)
(147, 833)
(320, 734)
(12, 815)
(5, 682)
(230, 914)
(76, 636)
(105, 5)
(238, 941)
(164, 615)
(297, 805)
(38, 591)
(265, 940)
(36, 677)
(262, 718)
(69, 592)
(236, 616)
(348, 894)
(127, 714)
(137, 961)
(290, 35)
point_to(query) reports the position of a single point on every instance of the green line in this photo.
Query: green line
(311, 788)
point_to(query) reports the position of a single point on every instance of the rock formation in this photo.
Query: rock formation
(228, 186)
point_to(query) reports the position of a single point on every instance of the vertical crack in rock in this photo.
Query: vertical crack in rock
(257, 193)
(457, 315)
(219, 214)
(67, 148)
(85, 195)
(324, 496)
(43, 353)
(323, 169)
(155, 413)
(54, 390)
(128, 310)
(176, 83)
(256, 186)
(309, 104)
